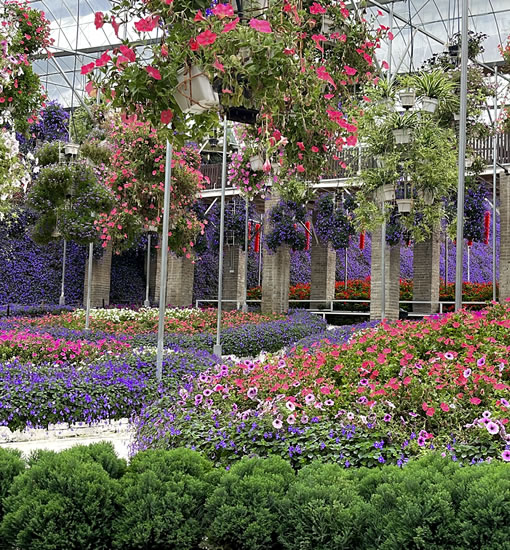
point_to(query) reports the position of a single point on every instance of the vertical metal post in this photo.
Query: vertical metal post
(345, 270)
(462, 155)
(494, 183)
(164, 260)
(468, 264)
(446, 259)
(246, 249)
(217, 346)
(383, 264)
(260, 255)
(62, 299)
(147, 302)
(89, 286)
(390, 45)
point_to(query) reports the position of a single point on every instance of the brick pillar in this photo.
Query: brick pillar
(275, 271)
(504, 243)
(426, 273)
(101, 277)
(392, 264)
(179, 281)
(234, 262)
(323, 260)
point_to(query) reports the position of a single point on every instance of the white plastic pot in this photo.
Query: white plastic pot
(427, 195)
(402, 135)
(379, 161)
(469, 162)
(429, 104)
(56, 233)
(388, 192)
(71, 149)
(404, 205)
(194, 93)
(256, 163)
(407, 98)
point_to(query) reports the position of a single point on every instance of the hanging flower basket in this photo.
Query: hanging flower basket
(429, 104)
(407, 98)
(388, 192)
(256, 163)
(194, 93)
(56, 233)
(404, 205)
(402, 135)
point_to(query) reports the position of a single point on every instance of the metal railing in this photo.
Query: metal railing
(355, 160)
(328, 309)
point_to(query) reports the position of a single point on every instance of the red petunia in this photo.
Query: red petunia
(86, 69)
(206, 38)
(147, 24)
(166, 116)
(103, 60)
(99, 19)
(223, 10)
(316, 8)
(231, 26)
(128, 52)
(153, 72)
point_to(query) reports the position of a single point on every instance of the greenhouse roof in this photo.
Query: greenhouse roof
(421, 28)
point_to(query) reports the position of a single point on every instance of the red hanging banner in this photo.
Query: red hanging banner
(487, 227)
(249, 231)
(362, 241)
(256, 245)
(307, 225)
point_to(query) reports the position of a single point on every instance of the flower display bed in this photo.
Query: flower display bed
(86, 497)
(51, 373)
(391, 393)
(359, 289)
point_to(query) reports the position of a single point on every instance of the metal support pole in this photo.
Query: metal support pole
(345, 270)
(462, 156)
(260, 256)
(246, 244)
(164, 260)
(217, 346)
(89, 286)
(468, 264)
(494, 184)
(390, 45)
(147, 302)
(62, 299)
(383, 265)
(445, 259)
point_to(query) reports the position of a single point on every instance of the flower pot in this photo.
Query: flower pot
(194, 93)
(388, 192)
(469, 162)
(429, 104)
(56, 233)
(379, 161)
(407, 98)
(256, 163)
(427, 195)
(388, 103)
(71, 149)
(404, 205)
(151, 229)
(402, 135)
(456, 116)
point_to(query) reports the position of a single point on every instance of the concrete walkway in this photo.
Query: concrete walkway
(62, 436)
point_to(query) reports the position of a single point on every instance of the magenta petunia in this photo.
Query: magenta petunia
(261, 25)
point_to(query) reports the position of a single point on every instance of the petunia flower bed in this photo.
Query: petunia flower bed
(389, 394)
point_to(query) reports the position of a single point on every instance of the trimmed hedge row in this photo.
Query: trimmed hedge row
(87, 498)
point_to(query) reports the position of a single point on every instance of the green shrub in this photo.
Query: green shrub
(162, 500)
(243, 512)
(63, 501)
(104, 454)
(323, 510)
(11, 465)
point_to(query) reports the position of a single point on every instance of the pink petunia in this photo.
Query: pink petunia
(350, 70)
(316, 9)
(223, 10)
(261, 25)
(86, 69)
(103, 60)
(231, 26)
(128, 52)
(99, 19)
(166, 116)
(206, 38)
(153, 72)
(322, 74)
(147, 24)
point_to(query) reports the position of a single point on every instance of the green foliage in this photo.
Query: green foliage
(323, 510)
(63, 501)
(97, 152)
(243, 512)
(48, 153)
(11, 465)
(163, 495)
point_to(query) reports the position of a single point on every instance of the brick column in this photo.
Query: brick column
(179, 281)
(275, 271)
(392, 264)
(426, 273)
(323, 260)
(504, 244)
(234, 262)
(101, 277)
